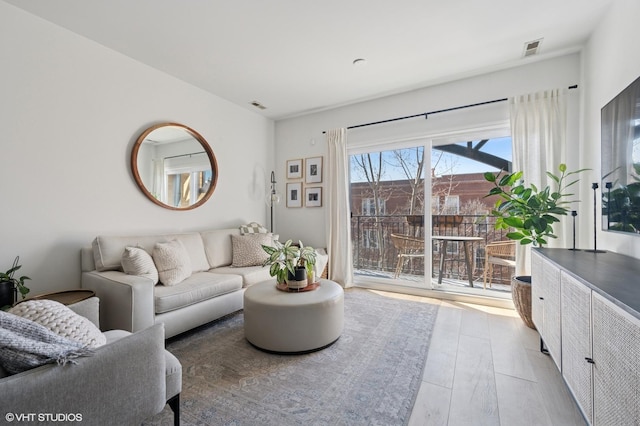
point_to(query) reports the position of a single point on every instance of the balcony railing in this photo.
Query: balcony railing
(374, 250)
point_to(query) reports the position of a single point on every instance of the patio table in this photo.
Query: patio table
(467, 257)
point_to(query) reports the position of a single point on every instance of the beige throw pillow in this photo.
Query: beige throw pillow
(172, 261)
(248, 251)
(61, 320)
(136, 261)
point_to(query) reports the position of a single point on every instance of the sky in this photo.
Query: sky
(444, 163)
(500, 147)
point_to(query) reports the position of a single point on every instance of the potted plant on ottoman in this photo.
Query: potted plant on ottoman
(291, 264)
(10, 286)
(531, 213)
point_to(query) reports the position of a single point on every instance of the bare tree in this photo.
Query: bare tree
(411, 161)
(443, 184)
(370, 166)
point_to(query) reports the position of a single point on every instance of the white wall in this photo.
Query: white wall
(302, 137)
(611, 63)
(70, 111)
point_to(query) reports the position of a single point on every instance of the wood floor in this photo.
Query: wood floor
(485, 368)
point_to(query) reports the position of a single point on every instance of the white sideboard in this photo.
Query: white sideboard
(586, 307)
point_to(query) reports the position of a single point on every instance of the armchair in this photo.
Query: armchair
(126, 381)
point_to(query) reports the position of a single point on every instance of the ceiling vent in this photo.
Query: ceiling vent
(531, 47)
(258, 105)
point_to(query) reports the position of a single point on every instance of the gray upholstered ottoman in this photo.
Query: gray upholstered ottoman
(277, 321)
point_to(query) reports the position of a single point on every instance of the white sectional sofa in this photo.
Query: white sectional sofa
(132, 302)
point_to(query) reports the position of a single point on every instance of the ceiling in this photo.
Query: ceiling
(296, 56)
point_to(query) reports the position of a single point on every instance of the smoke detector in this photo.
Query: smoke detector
(531, 47)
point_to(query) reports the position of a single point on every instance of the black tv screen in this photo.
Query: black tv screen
(620, 120)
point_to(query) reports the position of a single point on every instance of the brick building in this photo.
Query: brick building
(451, 194)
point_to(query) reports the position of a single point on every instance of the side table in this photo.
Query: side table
(66, 297)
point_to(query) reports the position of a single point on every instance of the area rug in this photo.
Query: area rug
(370, 376)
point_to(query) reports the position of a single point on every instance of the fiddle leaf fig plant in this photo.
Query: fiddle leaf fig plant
(530, 211)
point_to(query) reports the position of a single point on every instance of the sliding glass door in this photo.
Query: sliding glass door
(419, 215)
(387, 215)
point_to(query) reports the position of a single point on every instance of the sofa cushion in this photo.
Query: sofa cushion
(88, 308)
(250, 275)
(173, 367)
(217, 246)
(198, 287)
(172, 260)
(248, 251)
(107, 250)
(61, 320)
(136, 261)
(113, 335)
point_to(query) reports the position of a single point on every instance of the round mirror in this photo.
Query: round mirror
(174, 166)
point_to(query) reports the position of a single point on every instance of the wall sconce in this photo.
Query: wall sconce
(273, 197)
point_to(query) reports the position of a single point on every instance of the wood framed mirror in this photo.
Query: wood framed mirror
(174, 166)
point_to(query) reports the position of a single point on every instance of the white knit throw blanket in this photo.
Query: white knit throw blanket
(25, 344)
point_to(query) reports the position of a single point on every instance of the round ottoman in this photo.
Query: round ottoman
(296, 322)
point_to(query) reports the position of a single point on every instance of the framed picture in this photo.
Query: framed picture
(313, 197)
(313, 170)
(294, 169)
(294, 194)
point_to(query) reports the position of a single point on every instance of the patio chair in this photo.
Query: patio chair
(502, 253)
(408, 247)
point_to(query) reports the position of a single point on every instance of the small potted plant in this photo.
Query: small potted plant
(530, 213)
(291, 264)
(10, 286)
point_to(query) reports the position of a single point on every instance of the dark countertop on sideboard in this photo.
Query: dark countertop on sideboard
(614, 276)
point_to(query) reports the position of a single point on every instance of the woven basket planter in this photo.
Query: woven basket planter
(521, 294)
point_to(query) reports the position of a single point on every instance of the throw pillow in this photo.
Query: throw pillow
(25, 344)
(248, 251)
(173, 263)
(253, 228)
(136, 261)
(61, 320)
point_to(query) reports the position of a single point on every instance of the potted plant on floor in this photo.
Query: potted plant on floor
(291, 264)
(10, 286)
(530, 213)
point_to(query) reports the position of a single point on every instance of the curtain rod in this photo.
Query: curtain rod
(185, 155)
(426, 114)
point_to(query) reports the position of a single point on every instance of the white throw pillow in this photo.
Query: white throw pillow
(61, 320)
(172, 261)
(248, 251)
(136, 261)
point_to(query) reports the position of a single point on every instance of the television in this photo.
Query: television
(620, 132)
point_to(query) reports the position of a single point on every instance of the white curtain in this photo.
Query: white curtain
(338, 206)
(538, 133)
(158, 186)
